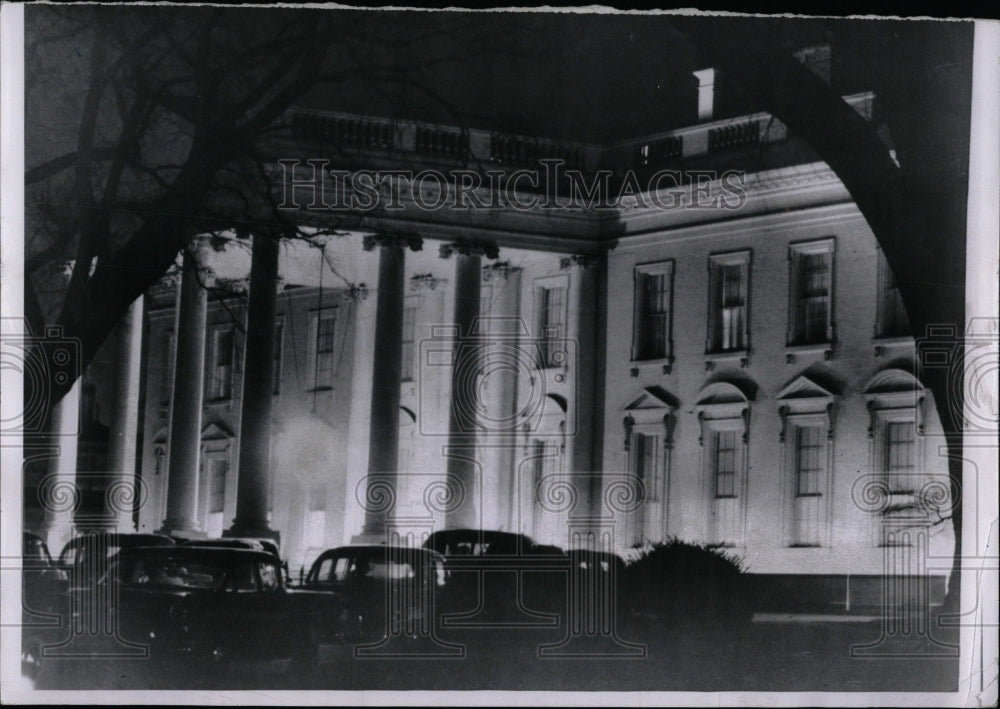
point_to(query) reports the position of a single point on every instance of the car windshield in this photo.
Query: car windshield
(243, 576)
(173, 573)
(36, 551)
(346, 569)
(379, 569)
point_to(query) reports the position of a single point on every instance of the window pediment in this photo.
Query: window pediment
(651, 412)
(893, 388)
(216, 432)
(654, 401)
(722, 400)
(803, 395)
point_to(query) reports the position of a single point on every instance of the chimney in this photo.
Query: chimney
(706, 93)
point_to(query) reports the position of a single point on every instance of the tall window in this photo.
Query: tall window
(724, 463)
(315, 522)
(545, 462)
(811, 307)
(892, 318)
(729, 291)
(323, 329)
(167, 384)
(808, 460)
(645, 463)
(810, 466)
(160, 452)
(896, 401)
(900, 441)
(279, 337)
(551, 323)
(221, 382)
(651, 325)
(409, 337)
(217, 468)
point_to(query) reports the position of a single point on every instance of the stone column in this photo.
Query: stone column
(502, 367)
(253, 488)
(466, 367)
(586, 413)
(186, 403)
(59, 490)
(125, 413)
(383, 442)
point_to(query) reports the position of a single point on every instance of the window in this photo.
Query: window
(895, 429)
(161, 460)
(811, 306)
(545, 460)
(892, 318)
(217, 468)
(645, 451)
(551, 321)
(221, 382)
(409, 336)
(323, 328)
(279, 337)
(217, 493)
(315, 521)
(724, 463)
(806, 410)
(651, 324)
(900, 441)
(167, 383)
(808, 464)
(728, 325)
(723, 410)
(543, 464)
(808, 520)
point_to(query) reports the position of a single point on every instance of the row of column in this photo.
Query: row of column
(253, 481)
(63, 482)
(253, 486)
(461, 456)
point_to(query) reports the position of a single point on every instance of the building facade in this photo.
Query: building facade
(722, 360)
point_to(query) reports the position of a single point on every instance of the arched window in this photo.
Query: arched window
(649, 423)
(895, 401)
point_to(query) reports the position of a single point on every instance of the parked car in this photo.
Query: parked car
(385, 590)
(43, 588)
(87, 557)
(596, 583)
(267, 545)
(210, 609)
(502, 577)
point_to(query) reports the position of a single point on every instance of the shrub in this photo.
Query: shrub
(685, 583)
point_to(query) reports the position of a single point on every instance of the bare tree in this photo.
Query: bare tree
(146, 127)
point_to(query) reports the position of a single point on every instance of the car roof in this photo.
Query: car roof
(214, 554)
(378, 549)
(477, 535)
(123, 538)
(223, 543)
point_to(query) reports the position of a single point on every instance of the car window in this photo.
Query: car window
(341, 570)
(322, 572)
(35, 551)
(269, 578)
(174, 573)
(242, 579)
